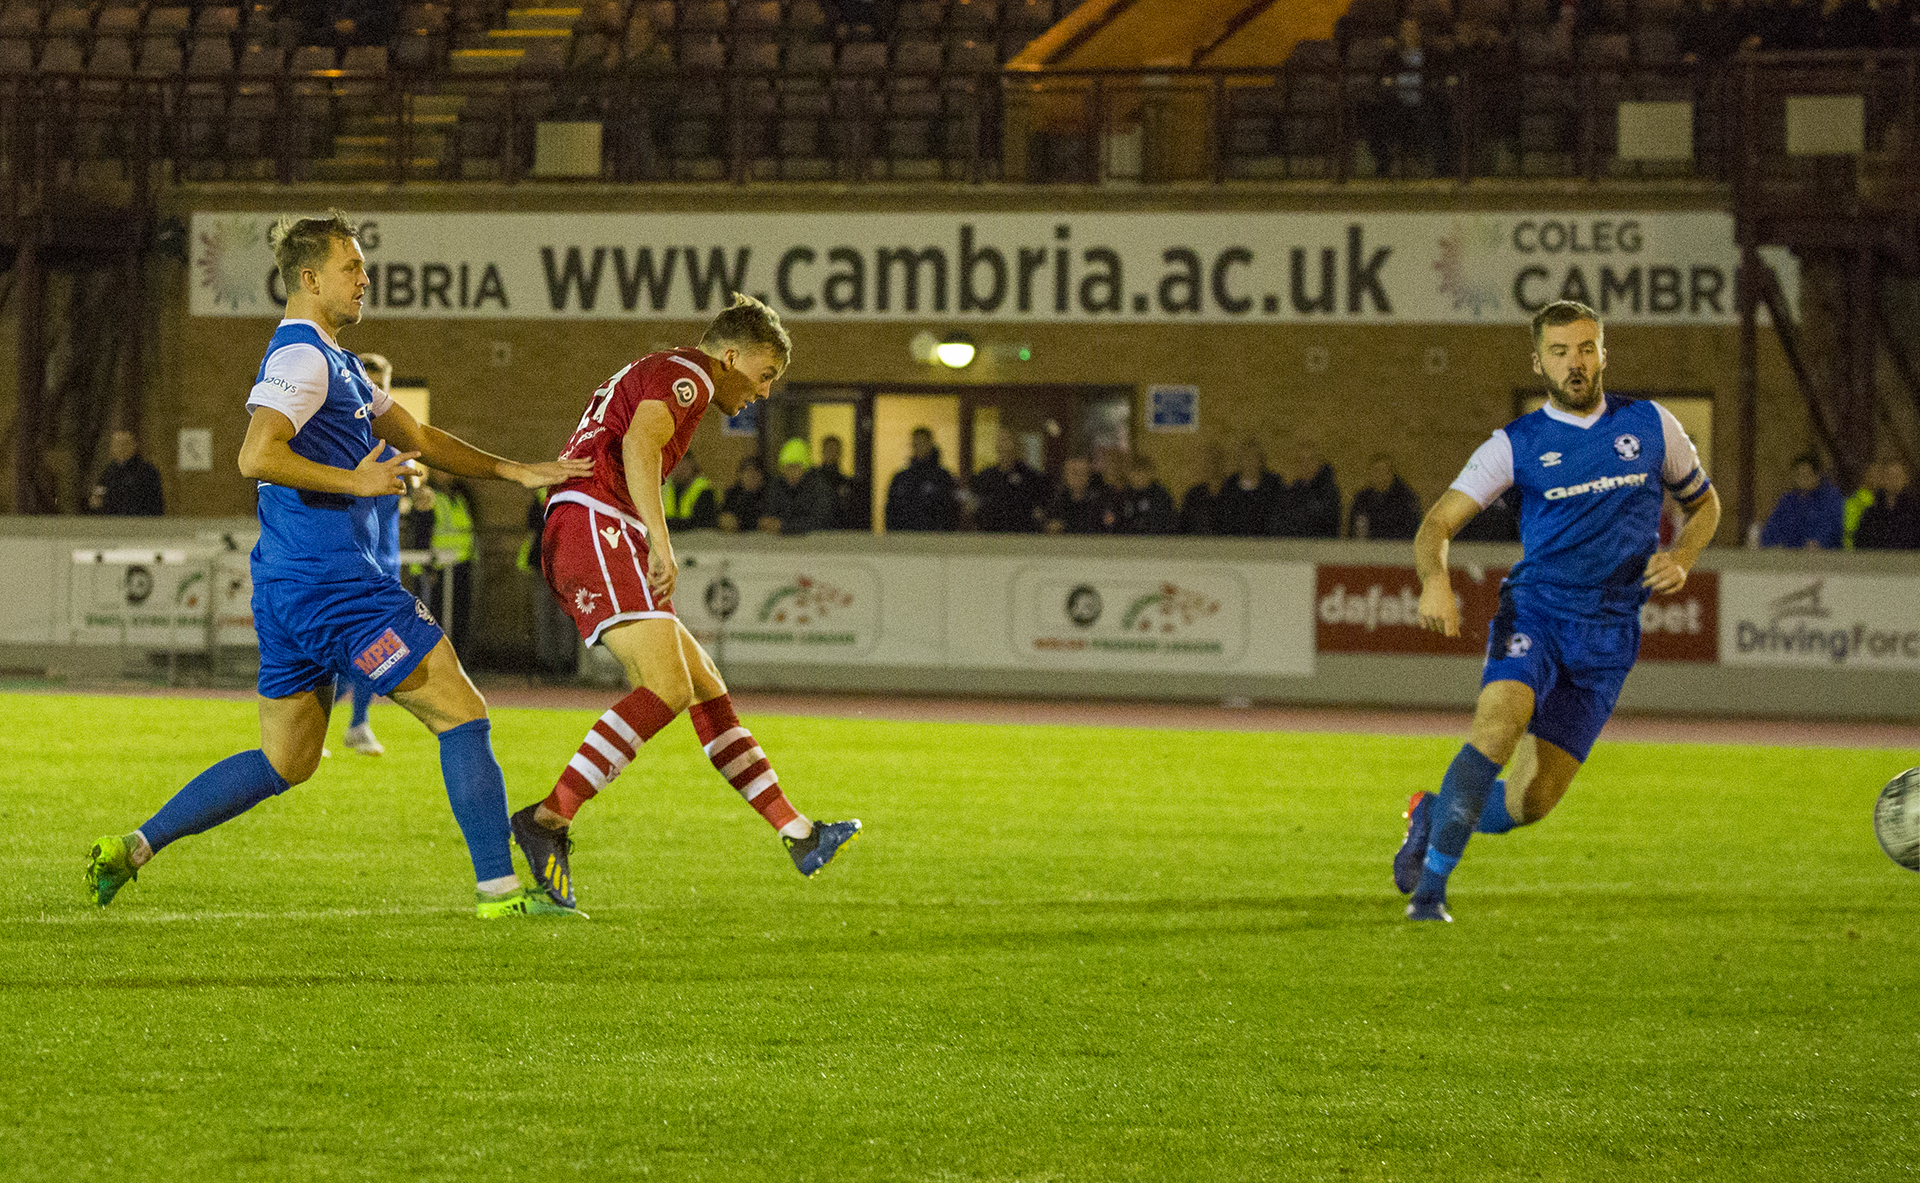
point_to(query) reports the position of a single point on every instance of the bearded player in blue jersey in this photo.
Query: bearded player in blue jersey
(1591, 471)
(318, 446)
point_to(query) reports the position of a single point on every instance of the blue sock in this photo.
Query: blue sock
(362, 698)
(478, 793)
(228, 789)
(1494, 818)
(1463, 793)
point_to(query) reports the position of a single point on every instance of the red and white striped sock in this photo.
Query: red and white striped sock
(609, 747)
(733, 751)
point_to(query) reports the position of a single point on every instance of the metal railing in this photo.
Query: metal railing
(1492, 115)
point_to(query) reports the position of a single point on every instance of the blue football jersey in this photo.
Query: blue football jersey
(1590, 497)
(304, 535)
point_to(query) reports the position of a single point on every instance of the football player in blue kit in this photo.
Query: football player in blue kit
(1592, 472)
(318, 446)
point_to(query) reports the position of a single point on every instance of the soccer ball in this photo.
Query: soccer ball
(1896, 819)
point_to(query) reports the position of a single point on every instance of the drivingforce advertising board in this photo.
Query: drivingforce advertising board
(1441, 268)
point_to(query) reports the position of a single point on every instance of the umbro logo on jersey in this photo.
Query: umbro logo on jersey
(684, 391)
(1549, 459)
(612, 535)
(1627, 447)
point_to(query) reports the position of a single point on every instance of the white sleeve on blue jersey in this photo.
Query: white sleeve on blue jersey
(1680, 471)
(1489, 471)
(293, 382)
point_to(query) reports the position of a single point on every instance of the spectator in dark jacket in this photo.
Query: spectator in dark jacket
(1499, 522)
(1080, 506)
(1892, 522)
(1010, 495)
(1246, 502)
(1811, 514)
(741, 507)
(1387, 507)
(852, 506)
(1145, 506)
(129, 485)
(1196, 508)
(1308, 503)
(923, 495)
(799, 500)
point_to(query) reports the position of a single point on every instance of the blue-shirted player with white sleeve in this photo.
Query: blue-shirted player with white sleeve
(322, 606)
(1592, 472)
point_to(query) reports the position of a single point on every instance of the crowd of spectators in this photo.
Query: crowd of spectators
(1882, 514)
(1116, 492)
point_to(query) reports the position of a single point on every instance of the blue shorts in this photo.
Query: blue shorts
(373, 632)
(1575, 667)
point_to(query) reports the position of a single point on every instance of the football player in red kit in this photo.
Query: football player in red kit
(607, 557)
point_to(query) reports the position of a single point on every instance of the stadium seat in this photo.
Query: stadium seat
(1655, 45)
(917, 17)
(802, 86)
(19, 20)
(118, 20)
(594, 51)
(806, 21)
(703, 17)
(112, 58)
(159, 57)
(68, 19)
(973, 18)
(606, 17)
(913, 85)
(760, 17)
(309, 58)
(966, 60)
(548, 55)
(258, 61)
(210, 57)
(658, 14)
(61, 55)
(223, 21)
(753, 56)
(16, 55)
(365, 59)
(173, 21)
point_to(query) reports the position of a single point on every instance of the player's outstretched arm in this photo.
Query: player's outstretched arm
(451, 454)
(1667, 569)
(1439, 609)
(265, 455)
(651, 428)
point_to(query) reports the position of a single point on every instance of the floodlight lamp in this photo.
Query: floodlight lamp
(956, 351)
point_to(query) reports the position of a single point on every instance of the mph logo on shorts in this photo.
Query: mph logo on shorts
(382, 655)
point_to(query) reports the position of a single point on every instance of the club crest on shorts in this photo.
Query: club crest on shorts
(583, 600)
(1627, 447)
(612, 535)
(1518, 644)
(684, 391)
(382, 655)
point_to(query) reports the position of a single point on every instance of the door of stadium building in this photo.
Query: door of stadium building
(1049, 423)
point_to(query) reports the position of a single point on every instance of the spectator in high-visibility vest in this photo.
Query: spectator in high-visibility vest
(453, 530)
(688, 497)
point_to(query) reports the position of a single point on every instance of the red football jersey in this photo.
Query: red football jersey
(680, 378)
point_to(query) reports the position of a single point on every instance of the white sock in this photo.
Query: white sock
(501, 886)
(797, 829)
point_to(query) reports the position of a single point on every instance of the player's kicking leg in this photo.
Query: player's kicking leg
(1499, 719)
(670, 673)
(439, 694)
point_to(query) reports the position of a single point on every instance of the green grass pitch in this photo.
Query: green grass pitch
(1057, 954)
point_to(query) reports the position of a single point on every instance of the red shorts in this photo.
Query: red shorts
(595, 560)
